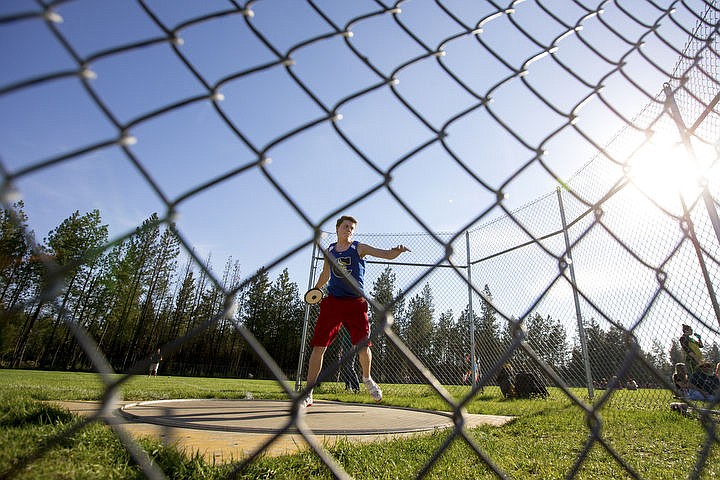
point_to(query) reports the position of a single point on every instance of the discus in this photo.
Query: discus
(313, 296)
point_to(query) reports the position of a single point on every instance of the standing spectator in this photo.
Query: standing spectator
(349, 374)
(691, 346)
(154, 363)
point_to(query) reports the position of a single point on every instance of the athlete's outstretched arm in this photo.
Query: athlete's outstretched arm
(390, 254)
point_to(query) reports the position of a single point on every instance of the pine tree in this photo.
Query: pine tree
(488, 341)
(159, 274)
(548, 339)
(131, 274)
(75, 246)
(14, 255)
(288, 313)
(420, 327)
(658, 359)
(711, 353)
(221, 333)
(676, 354)
(255, 316)
(20, 283)
(388, 364)
(447, 355)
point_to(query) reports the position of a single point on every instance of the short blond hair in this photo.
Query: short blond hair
(343, 218)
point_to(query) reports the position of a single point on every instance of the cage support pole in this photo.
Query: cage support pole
(576, 297)
(685, 136)
(471, 317)
(707, 198)
(303, 341)
(690, 231)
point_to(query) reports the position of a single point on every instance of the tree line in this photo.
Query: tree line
(133, 297)
(140, 293)
(442, 343)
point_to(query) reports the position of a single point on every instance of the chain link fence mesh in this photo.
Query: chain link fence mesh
(607, 255)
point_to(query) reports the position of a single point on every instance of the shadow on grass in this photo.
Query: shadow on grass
(30, 412)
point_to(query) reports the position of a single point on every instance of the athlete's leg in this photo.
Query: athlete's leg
(315, 364)
(365, 356)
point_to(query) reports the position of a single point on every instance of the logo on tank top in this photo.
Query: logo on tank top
(342, 263)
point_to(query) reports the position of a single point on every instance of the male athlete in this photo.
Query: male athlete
(344, 304)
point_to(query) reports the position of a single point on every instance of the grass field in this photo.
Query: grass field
(544, 441)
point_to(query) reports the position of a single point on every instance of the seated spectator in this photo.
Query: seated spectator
(631, 384)
(520, 384)
(682, 383)
(506, 381)
(680, 379)
(705, 380)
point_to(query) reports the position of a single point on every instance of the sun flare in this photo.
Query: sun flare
(665, 170)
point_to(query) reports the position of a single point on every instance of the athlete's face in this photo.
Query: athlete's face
(345, 230)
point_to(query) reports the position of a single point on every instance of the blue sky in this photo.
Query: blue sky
(245, 216)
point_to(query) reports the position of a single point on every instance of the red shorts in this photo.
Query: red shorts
(336, 312)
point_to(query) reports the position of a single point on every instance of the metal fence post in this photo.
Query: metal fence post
(578, 312)
(303, 341)
(471, 317)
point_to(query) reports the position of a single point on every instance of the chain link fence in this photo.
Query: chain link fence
(587, 286)
(613, 283)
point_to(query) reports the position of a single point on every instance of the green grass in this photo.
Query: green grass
(543, 442)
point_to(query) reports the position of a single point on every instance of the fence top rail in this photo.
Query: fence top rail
(408, 264)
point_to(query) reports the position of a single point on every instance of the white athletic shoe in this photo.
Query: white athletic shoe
(373, 389)
(307, 401)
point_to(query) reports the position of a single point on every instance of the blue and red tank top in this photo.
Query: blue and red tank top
(352, 262)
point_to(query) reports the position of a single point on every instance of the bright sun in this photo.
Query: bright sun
(664, 169)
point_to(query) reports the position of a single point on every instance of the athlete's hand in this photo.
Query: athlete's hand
(401, 249)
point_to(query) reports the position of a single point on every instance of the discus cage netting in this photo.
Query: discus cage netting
(587, 286)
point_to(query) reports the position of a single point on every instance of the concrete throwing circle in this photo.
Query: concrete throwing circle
(272, 416)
